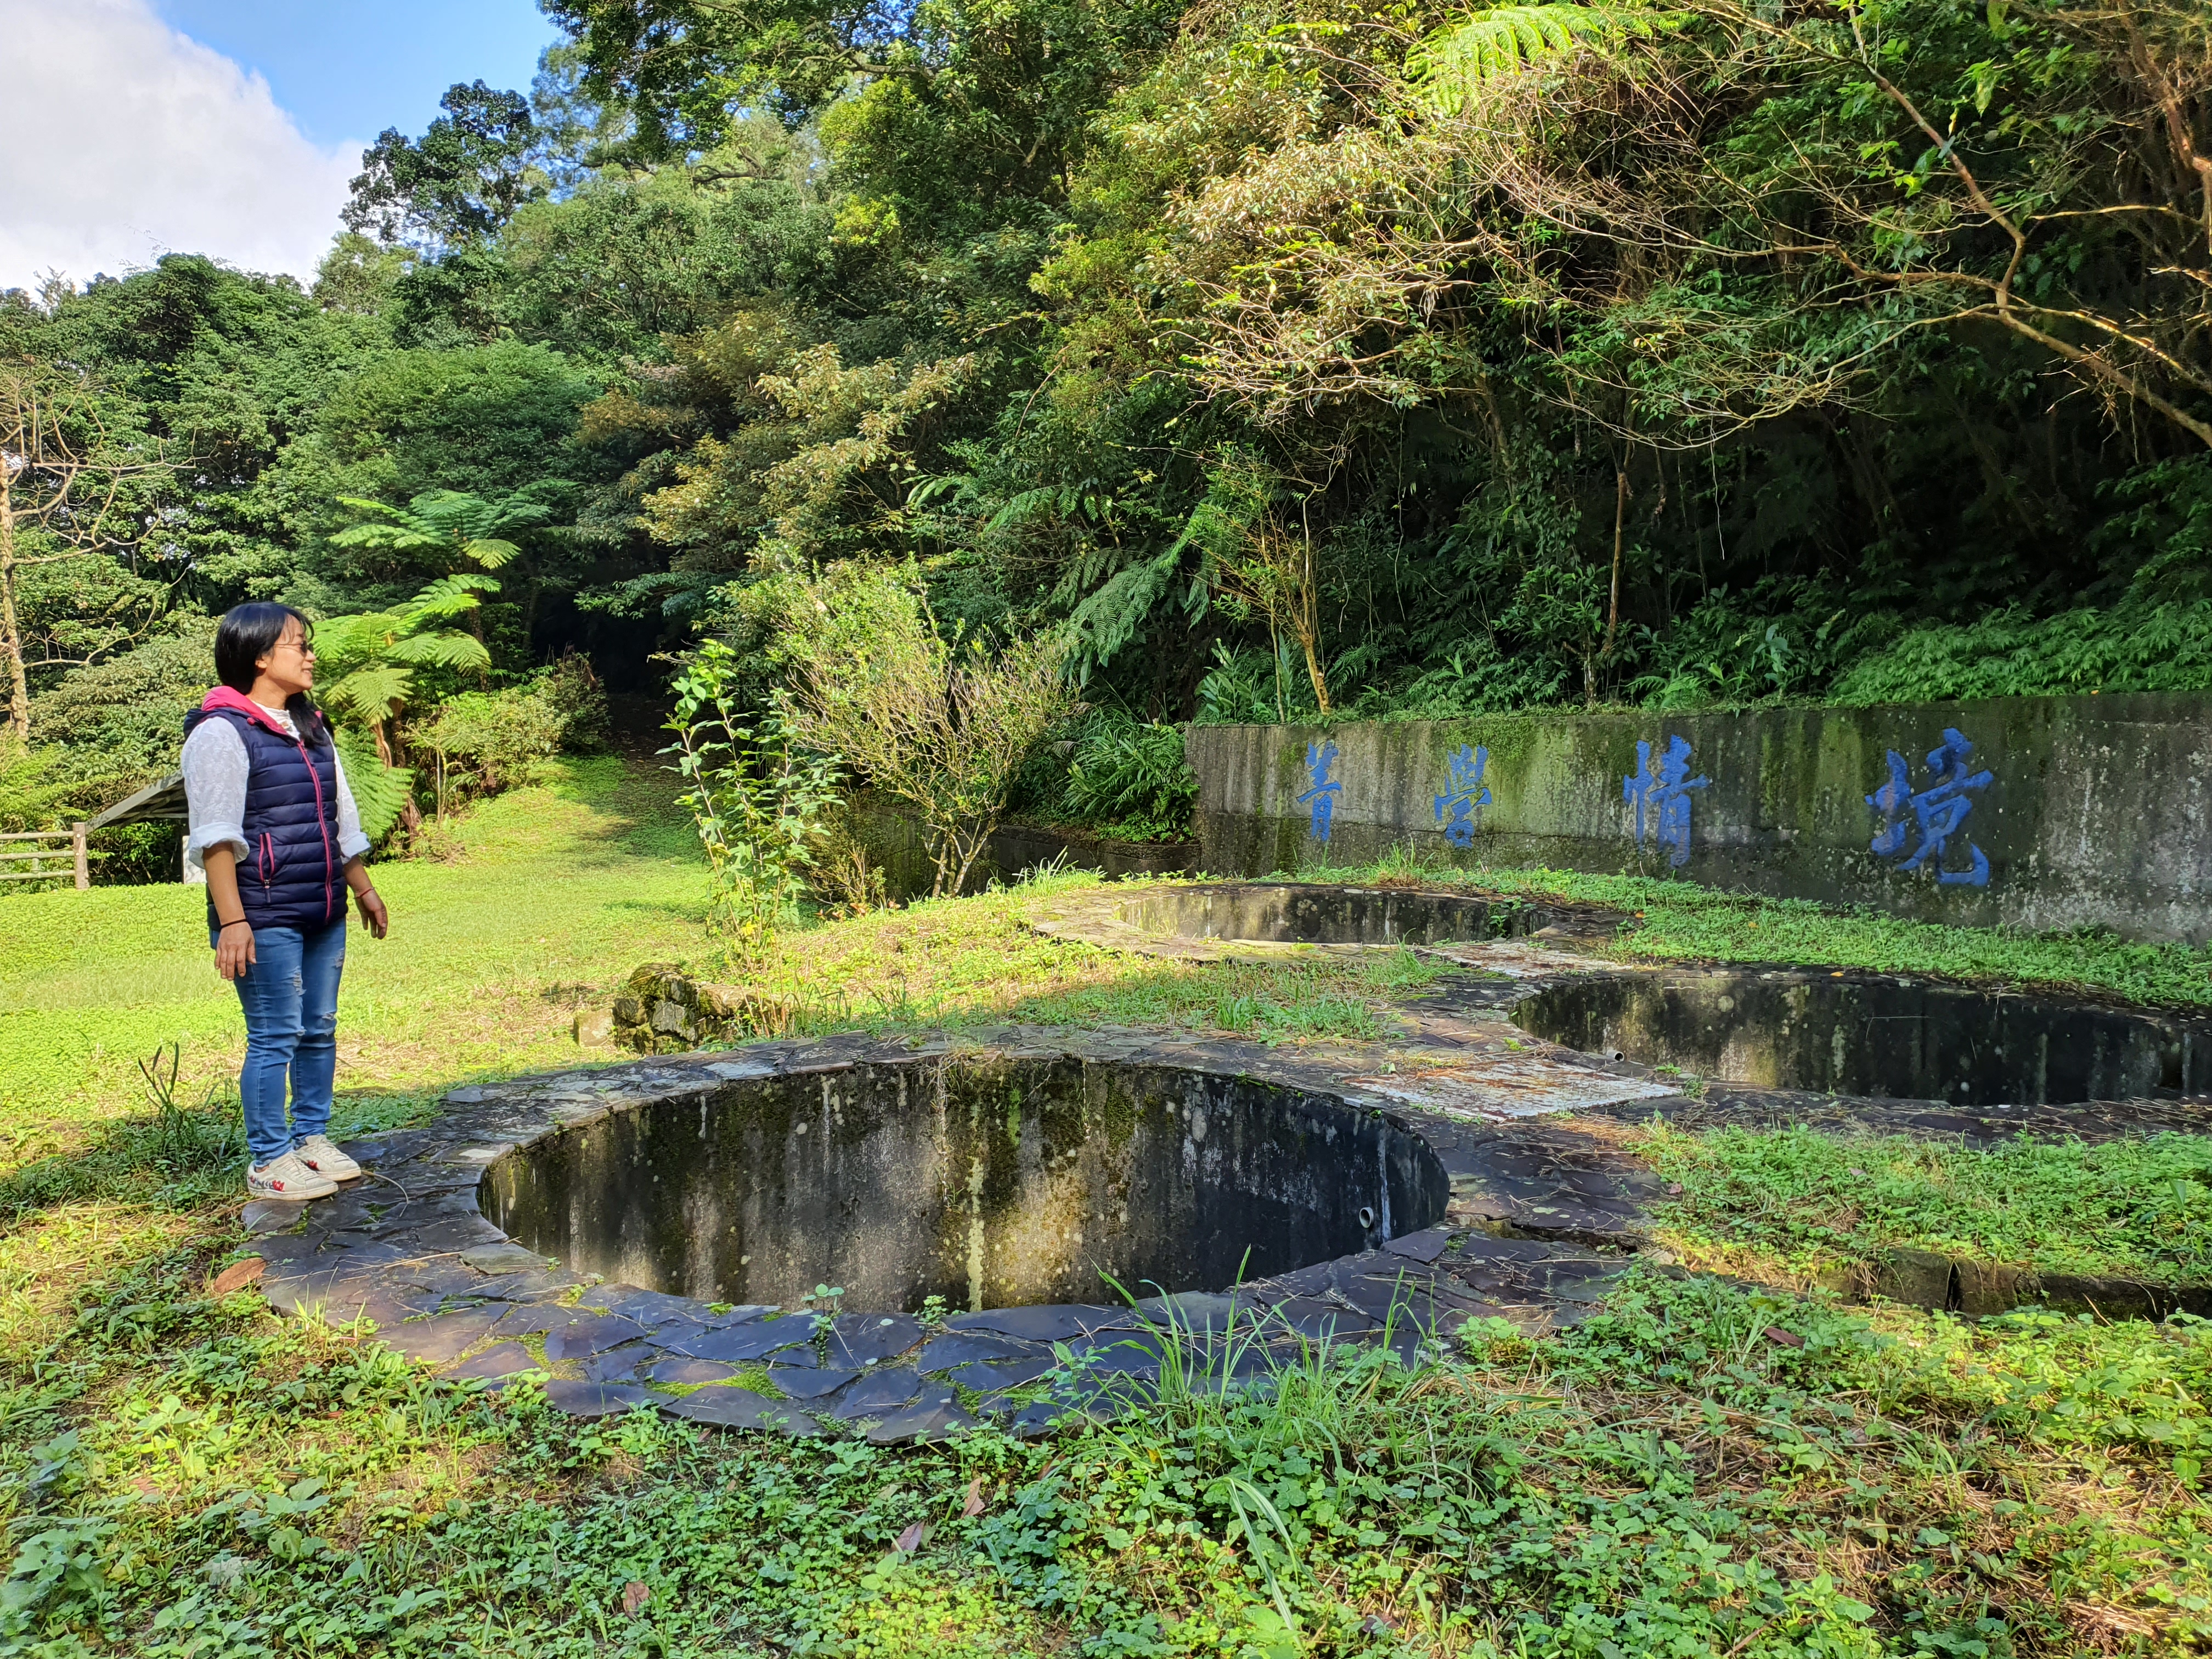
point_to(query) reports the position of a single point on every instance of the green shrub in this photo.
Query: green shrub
(574, 692)
(130, 709)
(492, 740)
(1132, 779)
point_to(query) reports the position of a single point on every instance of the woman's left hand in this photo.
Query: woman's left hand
(372, 912)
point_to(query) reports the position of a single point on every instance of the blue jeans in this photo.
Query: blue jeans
(290, 995)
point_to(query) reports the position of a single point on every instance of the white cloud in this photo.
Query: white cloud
(124, 140)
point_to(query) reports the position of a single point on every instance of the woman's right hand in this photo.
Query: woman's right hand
(234, 950)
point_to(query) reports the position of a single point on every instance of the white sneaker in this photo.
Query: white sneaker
(288, 1177)
(319, 1154)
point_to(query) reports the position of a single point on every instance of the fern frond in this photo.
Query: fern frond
(345, 643)
(1448, 67)
(450, 595)
(370, 694)
(379, 791)
(490, 552)
(447, 648)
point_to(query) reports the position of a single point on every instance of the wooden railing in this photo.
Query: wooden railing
(41, 854)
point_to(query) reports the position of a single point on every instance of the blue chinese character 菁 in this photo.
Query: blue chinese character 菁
(1466, 792)
(1322, 796)
(1661, 786)
(1939, 811)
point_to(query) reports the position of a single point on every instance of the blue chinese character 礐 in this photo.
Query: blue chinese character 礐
(1455, 807)
(1661, 786)
(1939, 812)
(1322, 794)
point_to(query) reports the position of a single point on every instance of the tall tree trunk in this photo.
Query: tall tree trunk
(1620, 523)
(12, 633)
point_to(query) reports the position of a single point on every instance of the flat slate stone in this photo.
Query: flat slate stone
(1423, 1246)
(646, 1307)
(1042, 1417)
(271, 1215)
(595, 1399)
(754, 1340)
(618, 1364)
(1054, 1322)
(503, 1258)
(864, 1340)
(987, 1376)
(532, 1287)
(935, 1416)
(798, 1359)
(535, 1319)
(507, 1359)
(732, 1408)
(1320, 1321)
(809, 1385)
(694, 1371)
(447, 1336)
(1204, 1311)
(966, 1348)
(580, 1339)
(877, 1393)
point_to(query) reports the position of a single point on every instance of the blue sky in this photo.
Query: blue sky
(346, 70)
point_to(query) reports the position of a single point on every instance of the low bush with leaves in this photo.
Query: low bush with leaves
(1118, 777)
(756, 797)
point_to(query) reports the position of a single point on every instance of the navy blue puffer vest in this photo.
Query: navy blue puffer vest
(291, 876)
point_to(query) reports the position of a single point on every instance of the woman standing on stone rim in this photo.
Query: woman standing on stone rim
(275, 829)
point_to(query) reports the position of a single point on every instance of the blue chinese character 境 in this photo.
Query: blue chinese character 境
(1465, 793)
(1939, 811)
(1662, 786)
(1322, 797)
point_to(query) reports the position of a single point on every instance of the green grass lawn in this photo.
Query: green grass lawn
(559, 890)
(1704, 1469)
(1797, 1202)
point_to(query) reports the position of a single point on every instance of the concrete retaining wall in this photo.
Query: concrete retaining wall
(897, 844)
(2042, 813)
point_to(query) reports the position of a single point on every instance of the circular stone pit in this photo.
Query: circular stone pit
(1876, 1036)
(1001, 1179)
(985, 1182)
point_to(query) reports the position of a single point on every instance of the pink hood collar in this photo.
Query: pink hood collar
(239, 703)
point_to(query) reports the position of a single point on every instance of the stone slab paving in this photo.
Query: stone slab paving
(1545, 1209)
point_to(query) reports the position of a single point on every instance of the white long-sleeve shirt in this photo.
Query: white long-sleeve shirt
(215, 767)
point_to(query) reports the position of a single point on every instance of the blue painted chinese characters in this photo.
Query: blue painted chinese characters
(1939, 812)
(1659, 787)
(1322, 794)
(1457, 806)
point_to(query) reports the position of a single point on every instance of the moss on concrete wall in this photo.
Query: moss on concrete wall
(2045, 812)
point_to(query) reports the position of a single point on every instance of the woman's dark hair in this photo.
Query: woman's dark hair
(248, 632)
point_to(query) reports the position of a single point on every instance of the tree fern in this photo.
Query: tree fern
(446, 648)
(448, 521)
(379, 791)
(1452, 63)
(369, 695)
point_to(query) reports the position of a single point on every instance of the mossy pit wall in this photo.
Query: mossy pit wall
(2078, 811)
(1873, 1035)
(898, 845)
(991, 1184)
(1316, 914)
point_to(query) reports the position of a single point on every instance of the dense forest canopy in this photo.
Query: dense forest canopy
(1371, 361)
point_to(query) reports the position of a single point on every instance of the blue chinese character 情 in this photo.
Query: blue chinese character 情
(1939, 810)
(1322, 797)
(1466, 792)
(1662, 786)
